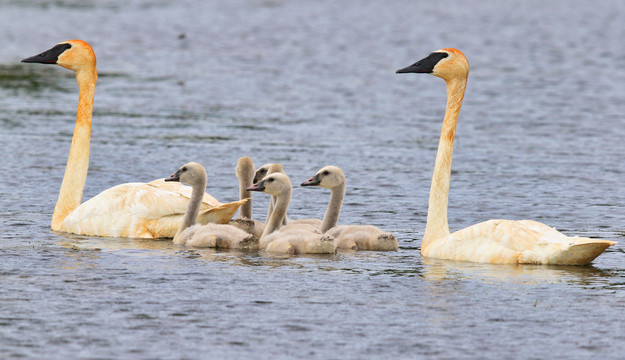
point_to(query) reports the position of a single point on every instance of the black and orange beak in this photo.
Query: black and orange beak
(49, 56)
(425, 65)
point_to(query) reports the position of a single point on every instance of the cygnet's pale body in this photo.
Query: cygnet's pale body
(209, 235)
(267, 169)
(355, 237)
(290, 238)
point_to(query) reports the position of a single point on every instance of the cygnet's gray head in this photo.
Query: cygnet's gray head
(267, 169)
(328, 177)
(273, 184)
(245, 167)
(191, 173)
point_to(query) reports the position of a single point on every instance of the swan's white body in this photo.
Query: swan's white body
(354, 237)
(205, 235)
(494, 241)
(290, 238)
(140, 210)
(515, 242)
(152, 210)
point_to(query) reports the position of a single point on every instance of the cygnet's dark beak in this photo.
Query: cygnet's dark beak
(313, 181)
(173, 177)
(259, 186)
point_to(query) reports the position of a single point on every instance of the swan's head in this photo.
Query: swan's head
(72, 54)
(447, 64)
(328, 177)
(267, 169)
(191, 173)
(273, 184)
(245, 167)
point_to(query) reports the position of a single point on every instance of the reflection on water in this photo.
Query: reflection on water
(440, 270)
(309, 84)
(83, 242)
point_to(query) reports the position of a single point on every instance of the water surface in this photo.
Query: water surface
(309, 84)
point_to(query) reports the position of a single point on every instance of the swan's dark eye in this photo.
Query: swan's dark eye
(184, 168)
(325, 172)
(270, 180)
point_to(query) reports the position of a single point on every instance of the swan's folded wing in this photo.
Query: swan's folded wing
(183, 190)
(220, 214)
(494, 241)
(137, 210)
(524, 241)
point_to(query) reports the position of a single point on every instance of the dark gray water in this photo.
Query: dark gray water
(309, 84)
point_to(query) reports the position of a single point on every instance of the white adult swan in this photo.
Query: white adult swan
(207, 235)
(290, 238)
(493, 241)
(152, 210)
(355, 237)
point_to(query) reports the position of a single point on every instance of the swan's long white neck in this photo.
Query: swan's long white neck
(193, 208)
(437, 225)
(77, 166)
(275, 221)
(333, 211)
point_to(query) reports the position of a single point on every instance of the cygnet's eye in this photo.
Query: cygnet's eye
(270, 180)
(184, 168)
(325, 172)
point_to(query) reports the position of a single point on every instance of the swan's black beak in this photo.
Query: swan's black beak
(414, 68)
(425, 65)
(259, 186)
(313, 181)
(49, 56)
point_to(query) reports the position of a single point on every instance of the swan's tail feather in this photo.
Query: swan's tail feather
(582, 252)
(220, 214)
